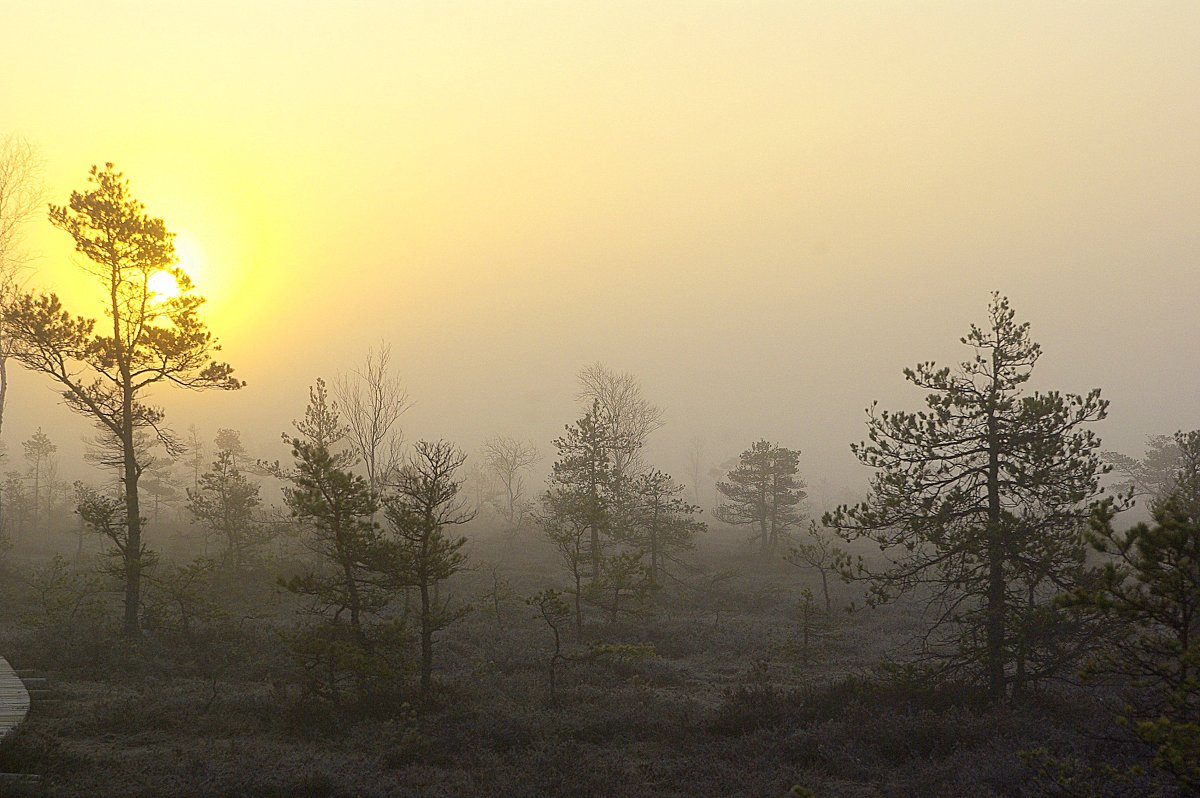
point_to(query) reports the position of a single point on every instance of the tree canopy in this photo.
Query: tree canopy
(763, 489)
(979, 499)
(105, 370)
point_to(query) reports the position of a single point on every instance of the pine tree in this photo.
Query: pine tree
(424, 502)
(225, 501)
(763, 489)
(978, 501)
(336, 506)
(566, 518)
(1151, 585)
(145, 340)
(39, 450)
(584, 479)
(663, 523)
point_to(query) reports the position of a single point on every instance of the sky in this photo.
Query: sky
(764, 210)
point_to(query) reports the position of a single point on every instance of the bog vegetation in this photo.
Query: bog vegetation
(375, 616)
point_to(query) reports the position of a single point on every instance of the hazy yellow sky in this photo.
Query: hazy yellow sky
(766, 210)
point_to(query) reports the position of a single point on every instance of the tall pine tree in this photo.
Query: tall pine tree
(764, 490)
(978, 501)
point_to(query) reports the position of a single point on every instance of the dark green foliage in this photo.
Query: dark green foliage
(814, 628)
(63, 598)
(1152, 586)
(17, 508)
(181, 598)
(423, 505)
(344, 665)
(39, 452)
(106, 515)
(623, 586)
(662, 523)
(625, 722)
(979, 500)
(346, 590)
(1107, 773)
(336, 506)
(498, 596)
(764, 490)
(566, 518)
(225, 501)
(584, 483)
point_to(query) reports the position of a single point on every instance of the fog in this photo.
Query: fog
(764, 215)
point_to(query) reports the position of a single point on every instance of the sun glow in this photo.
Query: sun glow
(190, 257)
(163, 285)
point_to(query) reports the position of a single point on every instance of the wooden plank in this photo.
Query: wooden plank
(14, 699)
(17, 785)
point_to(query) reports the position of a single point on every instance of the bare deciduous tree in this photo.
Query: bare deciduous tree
(20, 199)
(629, 415)
(509, 460)
(372, 400)
(821, 555)
(695, 466)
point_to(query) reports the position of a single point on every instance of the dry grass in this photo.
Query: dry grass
(725, 708)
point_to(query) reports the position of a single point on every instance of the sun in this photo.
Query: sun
(190, 257)
(163, 285)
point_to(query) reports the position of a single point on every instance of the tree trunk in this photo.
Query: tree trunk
(37, 491)
(3, 382)
(762, 521)
(352, 598)
(807, 622)
(653, 559)
(426, 641)
(1022, 651)
(578, 607)
(496, 606)
(554, 665)
(994, 654)
(595, 552)
(133, 520)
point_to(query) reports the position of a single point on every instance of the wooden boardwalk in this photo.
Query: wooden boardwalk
(14, 699)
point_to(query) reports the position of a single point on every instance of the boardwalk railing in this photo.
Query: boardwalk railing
(14, 706)
(14, 699)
